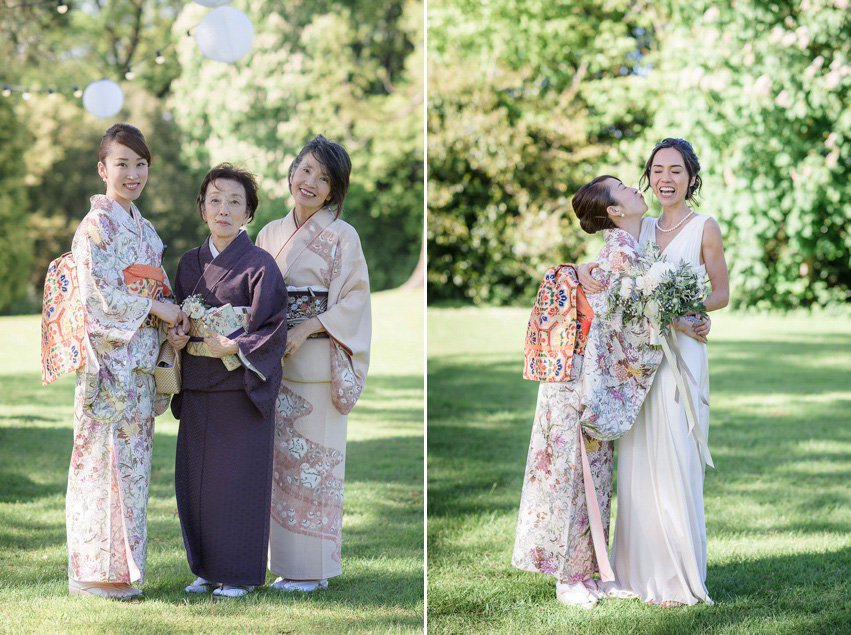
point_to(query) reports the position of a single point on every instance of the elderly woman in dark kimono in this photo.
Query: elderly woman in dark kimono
(231, 374)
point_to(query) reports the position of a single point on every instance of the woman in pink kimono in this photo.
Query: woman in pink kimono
(324, 366)
(118, 258)
(593, 381)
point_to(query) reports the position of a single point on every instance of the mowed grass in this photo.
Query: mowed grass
(381, 589)
(778, 503)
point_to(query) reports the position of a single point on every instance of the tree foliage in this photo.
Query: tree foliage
(516, 124)
(350, 70)
(760, 89)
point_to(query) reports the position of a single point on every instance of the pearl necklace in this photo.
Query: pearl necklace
(666, 231)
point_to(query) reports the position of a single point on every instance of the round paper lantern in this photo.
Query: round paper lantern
(225, 35)
(212, 3)
(103, 98)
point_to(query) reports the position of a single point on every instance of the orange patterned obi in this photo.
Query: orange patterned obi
(63, 325)
(558, 327)
(147, 281)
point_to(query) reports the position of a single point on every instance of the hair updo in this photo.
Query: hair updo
(591, 203)
(126, 135)
(689, 158)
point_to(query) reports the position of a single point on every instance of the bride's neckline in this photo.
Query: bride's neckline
(677, 235)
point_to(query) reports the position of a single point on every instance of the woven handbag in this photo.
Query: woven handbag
(167, 370)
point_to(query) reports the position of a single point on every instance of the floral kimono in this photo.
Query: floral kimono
(326, 275)
(118, 258)
(598, 384)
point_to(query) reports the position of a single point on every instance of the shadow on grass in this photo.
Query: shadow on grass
(792, 593)
(386, 470)
(480, 418)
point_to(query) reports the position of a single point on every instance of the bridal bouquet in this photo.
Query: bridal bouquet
(657, 289)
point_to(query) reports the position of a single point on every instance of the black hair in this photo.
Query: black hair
(337, 164)
(689, 158)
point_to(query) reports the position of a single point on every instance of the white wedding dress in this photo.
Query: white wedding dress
(659, 549)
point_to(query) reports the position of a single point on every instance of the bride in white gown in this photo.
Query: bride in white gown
(659, 548)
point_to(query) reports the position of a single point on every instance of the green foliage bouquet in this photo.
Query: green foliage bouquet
(655, 288)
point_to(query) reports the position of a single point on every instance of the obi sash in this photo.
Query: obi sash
(63, 323)
(558, 327)
(305, 303)
(147, 281)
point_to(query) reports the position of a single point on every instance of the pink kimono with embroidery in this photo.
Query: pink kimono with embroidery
(115, 400)
(321, 383)
(609, 377)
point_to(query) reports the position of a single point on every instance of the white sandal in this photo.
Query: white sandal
(575, 595)
(305, 586)
(201, 586)
(232, 591)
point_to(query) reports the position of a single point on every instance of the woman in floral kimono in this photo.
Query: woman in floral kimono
(660, 548)
(594, 376)
(324, 366)
(118, 258)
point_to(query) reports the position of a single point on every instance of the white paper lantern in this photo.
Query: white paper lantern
(103, 98)
(212, 3)
(225, 35)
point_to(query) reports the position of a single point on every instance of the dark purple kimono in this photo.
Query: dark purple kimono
(223, 469)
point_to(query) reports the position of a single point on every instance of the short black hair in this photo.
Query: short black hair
(337, 164)
(229, 172)
(690, 159)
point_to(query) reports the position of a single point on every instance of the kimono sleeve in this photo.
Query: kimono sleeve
(112, 314)
(264, 342)
(348, 321)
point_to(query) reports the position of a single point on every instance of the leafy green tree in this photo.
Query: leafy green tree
(526, 102)
(15, 244)
(764, 99)
(350, 70)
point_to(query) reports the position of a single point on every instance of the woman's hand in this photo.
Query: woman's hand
(589, 284)
(297, 335)
(177, 338)
(689, 327)
(170, 314)
(220, 345)
(703, 326)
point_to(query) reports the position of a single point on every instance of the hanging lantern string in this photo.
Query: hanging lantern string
(61, 6)
(27, 91)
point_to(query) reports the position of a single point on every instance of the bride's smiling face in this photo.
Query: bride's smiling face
(630, 200)
(669, 178)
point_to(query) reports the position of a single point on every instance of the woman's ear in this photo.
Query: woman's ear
(613, 210)
(102, 170)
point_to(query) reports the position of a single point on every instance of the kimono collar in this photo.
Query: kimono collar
(620, 237)
(301, 236)
(132, 220)
(213, 249)
(216, 268)
(211, 256)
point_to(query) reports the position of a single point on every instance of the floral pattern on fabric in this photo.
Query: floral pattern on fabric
(553, 531)
(620, 361)
(63, 328)
(345, 387)
(114, 401)
(307, 498)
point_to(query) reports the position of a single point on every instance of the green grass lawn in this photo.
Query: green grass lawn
(778, 503)
(381, 589)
